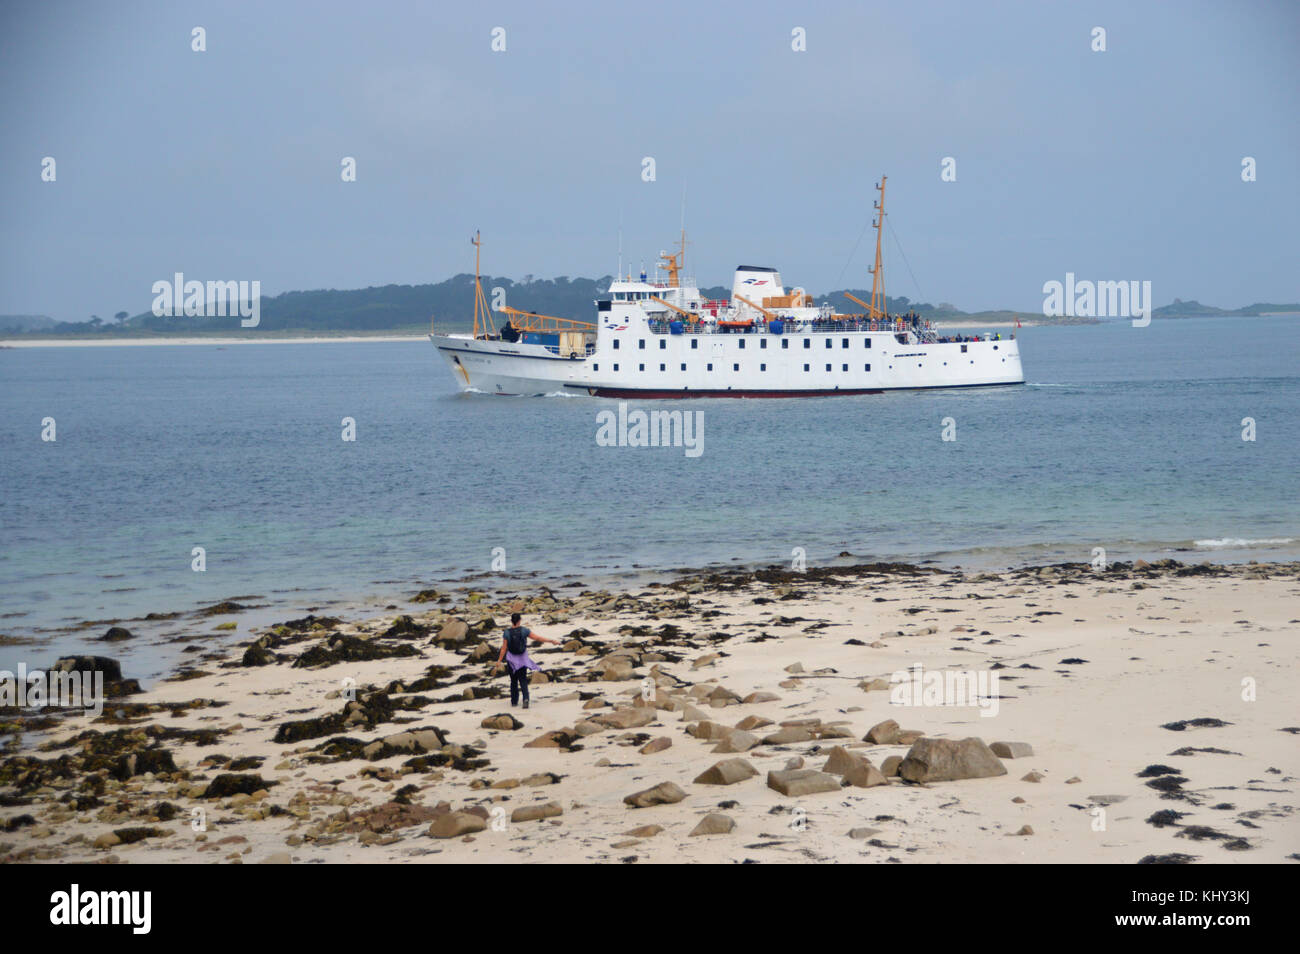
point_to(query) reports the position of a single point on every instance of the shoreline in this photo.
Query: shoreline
(939, 323)
(1101, 665)
(15, 343)
(162, 626)
(154, 342)
(316, 338)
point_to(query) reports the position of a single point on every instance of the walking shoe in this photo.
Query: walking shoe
(525, 703)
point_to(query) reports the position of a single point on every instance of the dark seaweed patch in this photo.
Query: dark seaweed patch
(1203, 723)
(1166, 817)
(1152, 770)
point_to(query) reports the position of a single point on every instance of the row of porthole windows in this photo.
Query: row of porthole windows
(762, 343)
(734, 367)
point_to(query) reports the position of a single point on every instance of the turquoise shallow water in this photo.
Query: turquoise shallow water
(1124, 438)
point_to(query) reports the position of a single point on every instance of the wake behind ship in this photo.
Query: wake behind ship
(661, 339)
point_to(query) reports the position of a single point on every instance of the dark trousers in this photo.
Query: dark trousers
(518, 684)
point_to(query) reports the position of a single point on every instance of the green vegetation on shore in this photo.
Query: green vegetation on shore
(407, 309)
(1194, 309)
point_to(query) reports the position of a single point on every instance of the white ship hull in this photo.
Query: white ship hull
(663, 339)
(799, 363)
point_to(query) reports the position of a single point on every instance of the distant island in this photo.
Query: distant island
(407, 309)
(1194, 309)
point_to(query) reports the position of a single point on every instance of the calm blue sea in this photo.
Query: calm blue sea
(1125, 438)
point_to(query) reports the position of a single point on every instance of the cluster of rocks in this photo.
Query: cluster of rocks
(928, 760)
(91, 771)
(1137, 572)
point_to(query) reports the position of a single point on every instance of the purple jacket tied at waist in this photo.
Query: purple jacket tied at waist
(521, 661)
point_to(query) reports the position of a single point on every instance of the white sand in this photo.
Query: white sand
(129, 342)
(1178, 649)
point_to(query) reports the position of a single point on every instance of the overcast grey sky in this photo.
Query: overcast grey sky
(225, 164)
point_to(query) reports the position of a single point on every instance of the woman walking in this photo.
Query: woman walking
(514, 650)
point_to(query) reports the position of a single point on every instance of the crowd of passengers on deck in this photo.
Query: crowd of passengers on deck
(910, 321)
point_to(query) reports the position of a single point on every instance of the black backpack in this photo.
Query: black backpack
(517, 640)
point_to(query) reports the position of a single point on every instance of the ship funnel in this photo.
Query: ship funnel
(756, 283)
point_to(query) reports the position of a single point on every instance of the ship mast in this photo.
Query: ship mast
(877, 271)
(674, 263)
(480, 302)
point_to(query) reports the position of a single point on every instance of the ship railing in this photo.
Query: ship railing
(555, 350)
(686, 282)
(906, 335)
(818, 326)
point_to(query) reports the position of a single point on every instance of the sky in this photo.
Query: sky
(225, 164)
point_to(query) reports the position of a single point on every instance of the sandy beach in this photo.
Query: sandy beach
(222, 342)
(1155, 699)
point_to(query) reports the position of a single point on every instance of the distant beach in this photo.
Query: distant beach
(70, 342)
(126, 342)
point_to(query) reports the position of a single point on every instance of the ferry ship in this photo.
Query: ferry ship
(662, 339)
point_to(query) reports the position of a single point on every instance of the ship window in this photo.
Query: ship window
(995, 347)
(828, 367)
(845, 344)
(641, 367)
(683, 365)
(735, 367)
(763, 343)
(846, 367)
(710, 368)
(662, 344)
(595, 367)
(695, 344)
(828, 343)
(615, 344)
(741, 342)
(785, 342)
(641, 344)
(866, 367)
(807, 342)
(663, 367)
(762, 367)
(615, 365)
(866, 342)
(963, 349)
(805, 367)
(603, 305)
